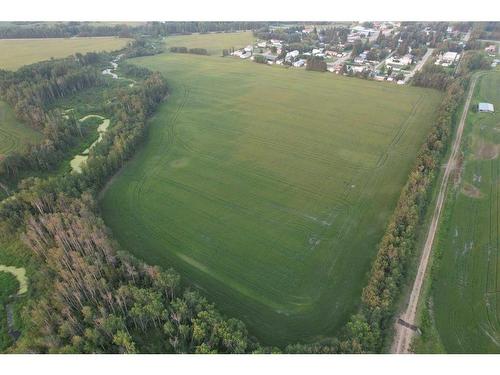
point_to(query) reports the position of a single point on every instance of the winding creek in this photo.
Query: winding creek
(112, 71)
(77, 162)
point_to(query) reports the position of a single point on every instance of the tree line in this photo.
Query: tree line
(65, 30)
(194, 51)
(398, 243)
(17, 30)
(316, 63)
(365, 331)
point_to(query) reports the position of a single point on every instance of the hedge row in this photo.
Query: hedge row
(397, 245)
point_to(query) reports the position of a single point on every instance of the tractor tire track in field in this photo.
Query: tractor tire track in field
(403, 335)
(399, 134)
(375, 173)
(9, 142)
(166, 139)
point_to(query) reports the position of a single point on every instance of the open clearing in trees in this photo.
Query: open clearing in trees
(15, 53)
(19, 274)
(269, 188)
(14, 134)
(468, 274)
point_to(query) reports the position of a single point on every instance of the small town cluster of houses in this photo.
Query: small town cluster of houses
(393, 68)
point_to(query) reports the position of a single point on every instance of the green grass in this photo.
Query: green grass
(214, 43)
(14, 254)
(466, 286)
(14, 134)
(269, 188)
(15, 53)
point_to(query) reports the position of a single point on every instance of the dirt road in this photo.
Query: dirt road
(404, 334)
(419, 65)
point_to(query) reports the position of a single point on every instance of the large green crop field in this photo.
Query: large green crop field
(466, 293)
(15, 53)
(14, 134)
(269, 188)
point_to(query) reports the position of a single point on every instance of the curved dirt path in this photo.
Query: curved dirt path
(404, 326)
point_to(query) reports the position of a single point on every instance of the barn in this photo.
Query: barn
(486, 107)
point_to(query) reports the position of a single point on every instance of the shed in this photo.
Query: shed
(486, 107)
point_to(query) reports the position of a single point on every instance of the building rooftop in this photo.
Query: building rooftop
(486, 107)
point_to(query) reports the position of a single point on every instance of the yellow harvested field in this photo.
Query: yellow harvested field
(15, 53)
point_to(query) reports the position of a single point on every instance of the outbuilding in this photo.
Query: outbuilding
(486, 107)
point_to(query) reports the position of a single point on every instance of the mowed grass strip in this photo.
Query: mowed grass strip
(214, 43)
(466, 292)
(14, 135)
(268, 188)
(15, 53)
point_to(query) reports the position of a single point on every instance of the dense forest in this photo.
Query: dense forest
(86, 29)
(30, 91)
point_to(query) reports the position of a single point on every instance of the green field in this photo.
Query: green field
(214, 43)
(269, 188)
(15, 53)
(14, 134)
(466, 290)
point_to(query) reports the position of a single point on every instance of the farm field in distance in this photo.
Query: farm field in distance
(13, 133)
(467, 277)
(214, 43)
(15, 53)
(268, 188)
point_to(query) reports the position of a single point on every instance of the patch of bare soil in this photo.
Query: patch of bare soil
(487, 151)
(471, 191)
(456, 174)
